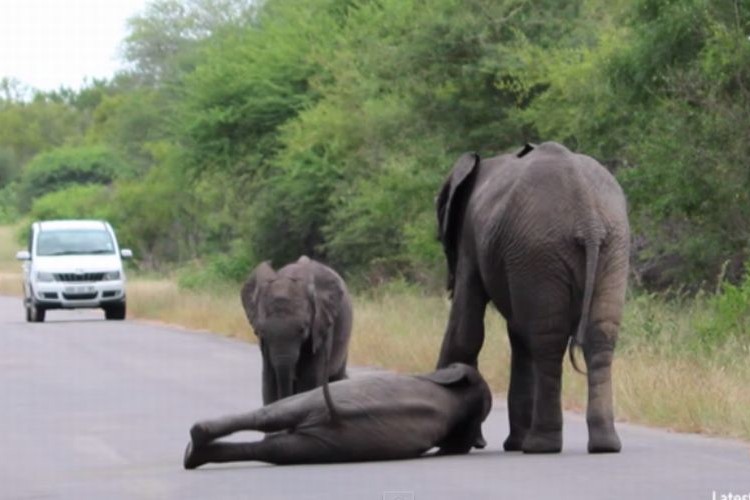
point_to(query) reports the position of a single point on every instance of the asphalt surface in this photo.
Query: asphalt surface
(101, 410)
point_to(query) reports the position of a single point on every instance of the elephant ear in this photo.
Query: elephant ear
(450, 205)
(452, 375)
(325, 291)
(251, 291)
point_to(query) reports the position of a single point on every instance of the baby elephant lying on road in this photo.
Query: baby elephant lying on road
(379, 417)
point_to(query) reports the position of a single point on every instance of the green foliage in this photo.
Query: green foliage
(373, 224)
(253, 131)
(132, 123)
(9, 203)
(729, 316)
(84, 201)
(251, 82)
(231, 267)
(291, 208)
(28, 128)
(8, 166)
(164, 39)
(68, 166)
(148, 212)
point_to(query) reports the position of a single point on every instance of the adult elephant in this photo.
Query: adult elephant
(302, 316)
(543, 234)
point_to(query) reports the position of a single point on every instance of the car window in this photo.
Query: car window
(74, 242)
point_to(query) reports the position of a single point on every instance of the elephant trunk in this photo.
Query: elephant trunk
(326, 392)
(284, 379)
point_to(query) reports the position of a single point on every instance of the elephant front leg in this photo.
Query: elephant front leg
(520, 393)
(464, 334)
(599, 414)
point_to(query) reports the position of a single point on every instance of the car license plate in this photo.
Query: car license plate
(79, 289)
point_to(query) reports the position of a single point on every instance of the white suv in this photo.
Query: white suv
(71, 264)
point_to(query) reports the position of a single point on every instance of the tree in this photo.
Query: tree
(67, 166)
(163, 41)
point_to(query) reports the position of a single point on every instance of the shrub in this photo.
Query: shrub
(67, 166)
(91, 201)
(729, 316)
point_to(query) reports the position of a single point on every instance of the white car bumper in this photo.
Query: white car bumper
(65, 295)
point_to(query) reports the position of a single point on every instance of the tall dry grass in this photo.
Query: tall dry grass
(218, 310)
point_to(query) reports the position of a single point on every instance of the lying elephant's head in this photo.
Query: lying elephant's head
(476, 403)
(292, 316)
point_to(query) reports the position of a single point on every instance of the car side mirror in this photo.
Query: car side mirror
(23, 255)
(126, 253)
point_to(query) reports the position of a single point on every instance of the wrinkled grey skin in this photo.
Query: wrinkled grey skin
(544, 235)
(302, 316)
(381, 417)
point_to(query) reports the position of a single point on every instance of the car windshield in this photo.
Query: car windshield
(74, 242)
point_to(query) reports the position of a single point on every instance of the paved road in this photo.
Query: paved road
(91, 409)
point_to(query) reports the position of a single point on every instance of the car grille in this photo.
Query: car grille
(79, 296)
(79, 277)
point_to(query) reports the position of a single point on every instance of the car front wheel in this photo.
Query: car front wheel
(115, 311)
(35, 313)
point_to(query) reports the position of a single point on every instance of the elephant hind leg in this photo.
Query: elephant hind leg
(598, 352)
(542, 319)
(281, 415)
(549, 339)
(520, 393)
(280, 448)
(218, 452)
(598, 347)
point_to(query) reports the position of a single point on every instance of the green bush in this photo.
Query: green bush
(729, 316)
(64, 167)
(91, 201)
(373, 224)
(220, 269)
(9, 203)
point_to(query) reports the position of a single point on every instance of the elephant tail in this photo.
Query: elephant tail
(592, 261)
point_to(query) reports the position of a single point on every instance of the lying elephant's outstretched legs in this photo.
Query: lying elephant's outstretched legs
(281, 449)
(279, 416)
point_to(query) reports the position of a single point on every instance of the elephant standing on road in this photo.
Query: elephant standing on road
(381, 417)
(544, 235)
(302, 316)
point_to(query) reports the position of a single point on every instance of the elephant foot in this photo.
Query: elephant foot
(199, 435)
(604, 441)
(542, 442)
(192, 458)
(480, 443)
(513, 443)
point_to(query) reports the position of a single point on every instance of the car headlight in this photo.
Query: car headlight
(112, 275)
(45, 277)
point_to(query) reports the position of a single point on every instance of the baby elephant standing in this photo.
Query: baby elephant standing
(302, 316)
(380, 417)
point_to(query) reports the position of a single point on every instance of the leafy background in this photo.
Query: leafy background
(241, 131)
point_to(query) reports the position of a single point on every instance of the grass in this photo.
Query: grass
(672, 368)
